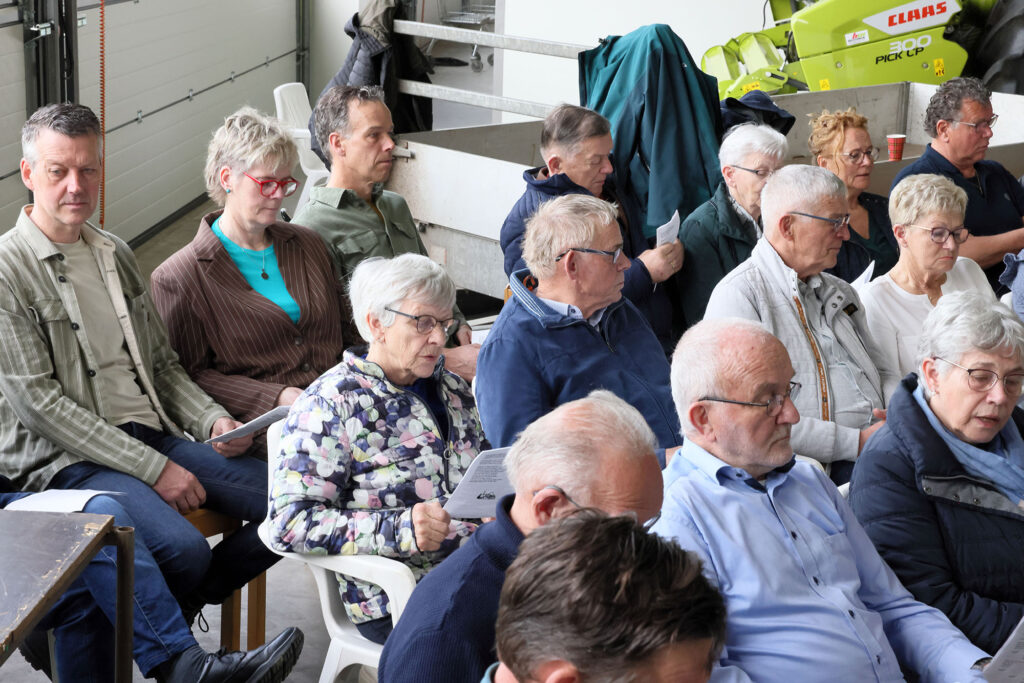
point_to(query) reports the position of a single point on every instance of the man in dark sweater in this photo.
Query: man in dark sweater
(959, 120)
(593, 452)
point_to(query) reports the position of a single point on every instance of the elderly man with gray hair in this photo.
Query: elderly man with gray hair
(576, 145)
(567, 330)
(720, 234)
(959, 120)
(593, 452)
(817, 316)
(808, 596)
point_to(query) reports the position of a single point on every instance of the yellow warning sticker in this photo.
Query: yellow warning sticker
(754, 85)
(940, 67)
(823, 84)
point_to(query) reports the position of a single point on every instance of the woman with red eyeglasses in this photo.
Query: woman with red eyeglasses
(252, 304)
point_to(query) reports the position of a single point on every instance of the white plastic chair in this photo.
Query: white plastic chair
(348, 646)
(293, 110)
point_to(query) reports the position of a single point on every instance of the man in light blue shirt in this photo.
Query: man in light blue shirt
(808, 596)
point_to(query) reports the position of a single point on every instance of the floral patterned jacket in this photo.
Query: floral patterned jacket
(356, 454)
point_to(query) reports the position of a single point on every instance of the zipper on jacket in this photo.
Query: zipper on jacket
(822, 378)
(447, 442)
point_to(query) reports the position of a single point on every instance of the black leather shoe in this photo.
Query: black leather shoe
(269, 663)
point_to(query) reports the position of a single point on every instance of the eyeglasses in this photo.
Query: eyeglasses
(981, 125)
(858, 155)
(761, 173)
(772, 406)
(837, 223)
(269, 187)
(979, 379)
(425, 324)
(613, 254)
(940, 235)
(552, 487)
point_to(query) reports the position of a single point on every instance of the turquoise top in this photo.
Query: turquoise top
(253, 265)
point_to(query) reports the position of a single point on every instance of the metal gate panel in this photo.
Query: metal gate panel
(173, 72)
(13, 194)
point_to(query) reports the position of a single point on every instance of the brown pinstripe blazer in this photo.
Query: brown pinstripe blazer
(237, 345)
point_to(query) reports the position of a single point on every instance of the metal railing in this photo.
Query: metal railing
(486, 39)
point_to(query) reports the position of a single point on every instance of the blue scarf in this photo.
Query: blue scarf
(1002, 465)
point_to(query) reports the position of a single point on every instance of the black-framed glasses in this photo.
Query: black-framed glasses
(940, 235)
(772, 406)
(761, 173)
(613, 254)
(981, 125)
(838, 224)
(979, 379)
(269, 187)
(858, 155)
(554, 487)
(425, 324)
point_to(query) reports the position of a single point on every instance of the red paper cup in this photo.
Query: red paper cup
(896, 142)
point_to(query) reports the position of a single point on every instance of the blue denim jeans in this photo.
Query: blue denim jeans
(83, 618)
(234, 486)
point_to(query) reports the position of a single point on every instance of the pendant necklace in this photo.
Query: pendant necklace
(263, 274)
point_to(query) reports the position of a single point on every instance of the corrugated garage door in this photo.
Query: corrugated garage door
(227, 53)
(12, 114)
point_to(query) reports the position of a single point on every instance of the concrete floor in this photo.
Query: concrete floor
(291, 593)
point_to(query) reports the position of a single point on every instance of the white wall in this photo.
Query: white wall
(328, 42)
(700, 24)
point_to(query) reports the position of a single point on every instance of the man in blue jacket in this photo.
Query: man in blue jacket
(576, 144)
(596, 452)
(567, 330)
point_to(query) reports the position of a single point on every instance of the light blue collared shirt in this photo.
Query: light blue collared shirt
(808, 596)
(570, 311)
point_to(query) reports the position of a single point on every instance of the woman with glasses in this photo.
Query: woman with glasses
(940, 488)
(841, 143)
(927, 213)
(720, 233)
(370, 447)
(252, 304)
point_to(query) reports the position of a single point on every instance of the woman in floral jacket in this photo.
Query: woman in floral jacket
(371, 449)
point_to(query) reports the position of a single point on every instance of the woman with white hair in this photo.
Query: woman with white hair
(720, 233)
(841, 143)
(372, 448)
(252, 304)
(927, 213)
(940, 488)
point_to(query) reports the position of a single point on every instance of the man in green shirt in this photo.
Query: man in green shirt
(354, 214)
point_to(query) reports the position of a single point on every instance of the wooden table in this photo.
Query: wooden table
(41, 554)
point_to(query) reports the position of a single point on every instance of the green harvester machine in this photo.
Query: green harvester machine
(832, 44)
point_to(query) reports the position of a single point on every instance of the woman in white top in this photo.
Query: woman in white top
(927, 213)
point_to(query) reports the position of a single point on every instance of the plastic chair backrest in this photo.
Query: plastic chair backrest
(348, 646)
(293, 111)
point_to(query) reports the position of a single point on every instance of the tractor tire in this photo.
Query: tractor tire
(999, 59)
